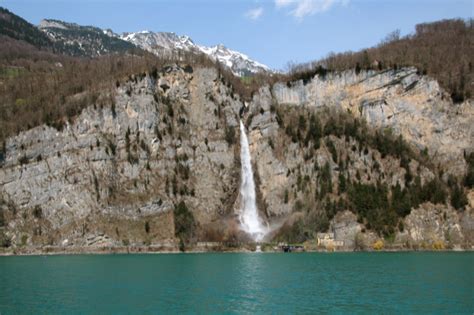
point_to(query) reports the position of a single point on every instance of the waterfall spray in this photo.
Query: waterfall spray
(249, 219)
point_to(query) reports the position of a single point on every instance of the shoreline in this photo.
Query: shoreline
(59, 251)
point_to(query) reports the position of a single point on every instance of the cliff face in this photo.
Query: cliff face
(116, 170)
(410, 104)
(115, 174)
(402, 103)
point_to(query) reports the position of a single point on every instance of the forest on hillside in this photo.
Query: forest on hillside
(443, 50)
(39, 85)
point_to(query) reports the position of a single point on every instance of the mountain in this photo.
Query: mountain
(239, 63)
(161, 40)
(93, 41)
(146, 156)
(61, 37)
(17, 28)
(77, 40)
(157, 166)
(165, 42)
(90, 41)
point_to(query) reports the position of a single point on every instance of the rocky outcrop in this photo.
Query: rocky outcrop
(431, 224)
(117, 169)
(113, 176)
(346, 228)
(429, 227)
(410, 104)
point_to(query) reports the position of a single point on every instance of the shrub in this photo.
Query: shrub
(359, 241)
(458, 197)
(184, 223)
(378, 245)
(325, 181)
(434, 192)
(147, 227)
(314, 131)
(23, 160)
(341, 183)
(112, 146)
(332, 149)
(469, 178)
(112, 108)
(292, 233)
(5, 241)
(230, 135)
(213, 234)
(438, 245)
(38, 212)
(24, 240)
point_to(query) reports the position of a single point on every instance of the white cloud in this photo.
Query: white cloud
(254, 14)
(283, 3)
(302, 8)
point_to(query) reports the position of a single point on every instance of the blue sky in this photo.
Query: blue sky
(273, 32)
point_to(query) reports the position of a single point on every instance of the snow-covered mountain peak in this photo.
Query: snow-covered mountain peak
(162, 42)
(93, 41)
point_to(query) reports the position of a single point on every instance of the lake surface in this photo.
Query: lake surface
(239, 283)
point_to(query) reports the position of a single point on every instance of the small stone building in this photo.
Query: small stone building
(327, 240)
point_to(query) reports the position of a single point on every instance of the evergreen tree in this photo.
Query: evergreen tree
(458, 197)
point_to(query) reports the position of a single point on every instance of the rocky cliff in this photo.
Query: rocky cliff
(405, 101)
(115, 174)
(115, 170)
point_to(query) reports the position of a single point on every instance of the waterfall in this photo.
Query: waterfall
(249, 219)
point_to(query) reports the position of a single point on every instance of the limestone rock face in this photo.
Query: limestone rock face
(430, 223)
(404, 102)
(114, 175)
(116, 169)
(427, 227)
(346, 228)
(410, 104)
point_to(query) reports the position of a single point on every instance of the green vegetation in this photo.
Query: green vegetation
(445, 40)
(15, 27)
(11, 72)
(246, 80)
(184, 224)
(5, 241)
(379, 205)
(458, 197)
(469, 178)
(38, 212)
(303, 228)
(230, 135)
(147, 227)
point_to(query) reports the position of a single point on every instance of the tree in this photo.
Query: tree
(325, 181)
(341, 183)
(469, 178)
(332, 149)
(301, 123)
(357, 68)
(38, 212)
(147, 227)
(314, 132)
(458, 197)
(230, 135)
(391, 37)
(184, 224)
(434, 192)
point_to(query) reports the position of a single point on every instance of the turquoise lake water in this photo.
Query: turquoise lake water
(397, 283)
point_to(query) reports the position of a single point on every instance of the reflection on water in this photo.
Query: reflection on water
(239, 283)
